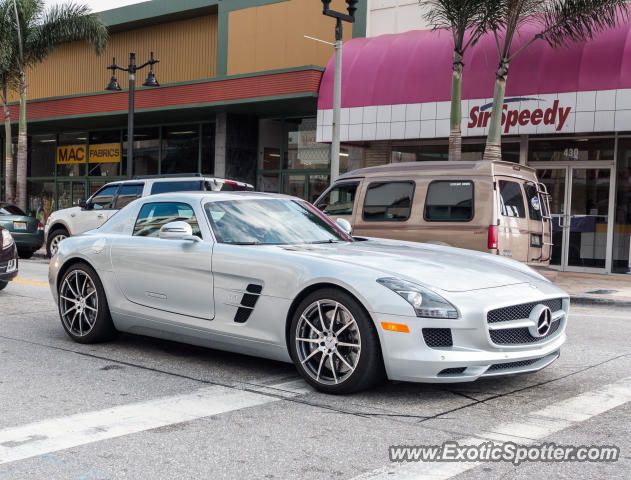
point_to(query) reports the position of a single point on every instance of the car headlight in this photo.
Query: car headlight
(425, 302)
(7, 239)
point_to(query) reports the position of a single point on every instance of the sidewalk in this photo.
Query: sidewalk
(593, 289)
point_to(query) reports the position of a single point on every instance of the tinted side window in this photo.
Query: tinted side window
(7, 209)
(511, 199)
(534, 202)
(127, 194)
(388, 201)
(339, 200)
(153, 215)
(104, 197)
(176, 186)
(449, 201)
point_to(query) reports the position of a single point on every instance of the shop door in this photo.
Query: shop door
(68, 192)
(580, 206)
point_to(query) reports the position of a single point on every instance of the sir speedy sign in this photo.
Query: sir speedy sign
(511, 117)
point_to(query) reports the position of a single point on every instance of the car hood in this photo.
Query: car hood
(446, 268)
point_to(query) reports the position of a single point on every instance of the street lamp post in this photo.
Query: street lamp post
(113, 85)
(337, 84)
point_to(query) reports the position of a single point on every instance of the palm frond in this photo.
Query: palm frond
(61, 24)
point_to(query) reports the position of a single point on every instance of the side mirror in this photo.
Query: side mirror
(178, 231)
(345, 225)
(81, 202)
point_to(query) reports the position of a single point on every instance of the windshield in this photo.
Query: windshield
(270, 221)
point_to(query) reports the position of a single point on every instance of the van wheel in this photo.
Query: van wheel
(55, 237)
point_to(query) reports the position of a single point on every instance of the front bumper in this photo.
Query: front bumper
(33, 240)
(473, 354)
(8, 264)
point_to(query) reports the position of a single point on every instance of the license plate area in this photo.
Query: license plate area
(19, 225)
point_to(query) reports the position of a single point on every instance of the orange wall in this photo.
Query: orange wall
(187, 50)
(271, 36)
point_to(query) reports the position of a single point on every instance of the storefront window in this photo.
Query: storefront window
(180, 149)
(104, 154)
(317, 185)
(146, 151)
(208, 149)
(294, 185)
(270, 143)
(41, 199)
(268, 182)
(622, 227)
(574, 149)
(72, 154)
(42, 155)
(68, 193)
(303, 152)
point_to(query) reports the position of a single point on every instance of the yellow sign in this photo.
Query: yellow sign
(105, 153)
(71, 154)
(99, 153)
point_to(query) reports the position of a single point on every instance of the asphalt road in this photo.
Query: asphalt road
(142, 408)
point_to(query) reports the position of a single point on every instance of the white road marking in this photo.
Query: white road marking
(55, 434)
(534, 427)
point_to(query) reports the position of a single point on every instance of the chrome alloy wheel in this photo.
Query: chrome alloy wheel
(78, 303)
(328, 342)
(54, 243)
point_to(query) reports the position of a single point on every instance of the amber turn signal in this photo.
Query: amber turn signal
(395, 327)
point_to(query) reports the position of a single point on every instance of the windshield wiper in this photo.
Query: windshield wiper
(244, 243)
(330, 240)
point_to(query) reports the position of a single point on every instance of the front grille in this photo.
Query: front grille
(437, 337)
(513, 336)
(521, 363)
(516, 312)
(452, 371)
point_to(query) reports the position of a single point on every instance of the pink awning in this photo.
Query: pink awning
(415, 67)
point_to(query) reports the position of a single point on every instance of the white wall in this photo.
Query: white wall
(394, 16)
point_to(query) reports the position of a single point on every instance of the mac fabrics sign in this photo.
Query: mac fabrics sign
(553, 115)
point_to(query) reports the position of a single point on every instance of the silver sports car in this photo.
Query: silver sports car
(271, 276)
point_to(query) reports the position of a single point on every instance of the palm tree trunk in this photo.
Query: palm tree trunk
(455, 134)
(493, 149)
(9, 181)
(22, 147)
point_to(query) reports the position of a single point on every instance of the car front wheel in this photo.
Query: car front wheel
(83, 307)
(334, 344)
(55, 238)
(3, 285)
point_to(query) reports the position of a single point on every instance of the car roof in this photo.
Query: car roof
(194, 196)
(440, 168)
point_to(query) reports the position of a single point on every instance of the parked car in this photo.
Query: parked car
(8, 258)
(28, 232)
(271, 276)
(109, 199)
(494, 207)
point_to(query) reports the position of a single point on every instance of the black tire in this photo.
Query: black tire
(103, 327)
(3, 285)
(369, 369)
(52, 236)
(26, 253)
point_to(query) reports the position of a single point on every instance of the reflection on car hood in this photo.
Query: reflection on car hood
(447, 268)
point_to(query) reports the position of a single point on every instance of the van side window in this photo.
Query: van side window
(449, 201)
(388, 201)
(339, 200)
(511, 199)
(534, 202)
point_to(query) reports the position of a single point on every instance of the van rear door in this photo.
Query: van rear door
(514, 224)
(540, 238)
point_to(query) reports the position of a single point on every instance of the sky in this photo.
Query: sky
(98, 5)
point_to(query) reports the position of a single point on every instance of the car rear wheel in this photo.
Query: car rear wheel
(83, 307)
(55, 237)
(334, 344)
(26, 252)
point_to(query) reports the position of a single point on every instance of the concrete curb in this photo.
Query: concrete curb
(590, 300)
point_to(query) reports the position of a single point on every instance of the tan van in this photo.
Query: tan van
(494, 207)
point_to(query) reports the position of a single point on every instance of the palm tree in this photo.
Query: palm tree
(36, 33)
(560, 23)
(7, 80)
(467, 20)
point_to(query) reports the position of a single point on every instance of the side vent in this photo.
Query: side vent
(248, 302)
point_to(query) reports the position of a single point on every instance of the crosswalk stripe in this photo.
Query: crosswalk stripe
(535, 426)
(56, 434)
